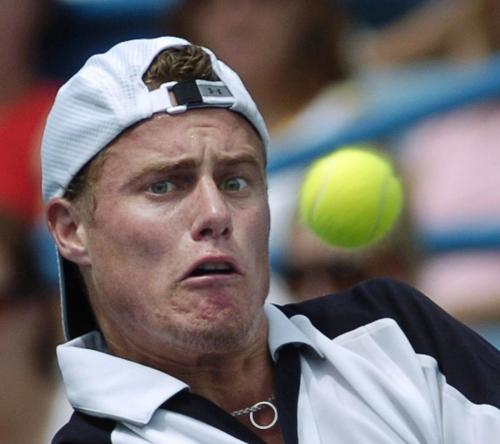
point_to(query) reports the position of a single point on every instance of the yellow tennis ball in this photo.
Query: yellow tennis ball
(351, 198)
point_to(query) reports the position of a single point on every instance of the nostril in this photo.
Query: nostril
(206, 232)
(213, 232)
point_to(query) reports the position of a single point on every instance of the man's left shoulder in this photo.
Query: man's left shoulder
(429, 329)
(362, 304)
(462, 356)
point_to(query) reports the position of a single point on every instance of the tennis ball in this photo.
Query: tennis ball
(351, 197)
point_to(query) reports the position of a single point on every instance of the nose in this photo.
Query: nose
(212, 217)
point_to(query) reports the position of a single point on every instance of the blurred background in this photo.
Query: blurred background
(419, 80)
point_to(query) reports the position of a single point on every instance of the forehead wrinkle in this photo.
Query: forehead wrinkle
(234, 158)
(225, 149)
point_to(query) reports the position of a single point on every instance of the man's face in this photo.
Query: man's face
(178, 243)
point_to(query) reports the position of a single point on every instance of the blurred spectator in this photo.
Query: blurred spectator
(433, 29)
(452, 160)
(285, 51)
(29, 332)
(24, 101)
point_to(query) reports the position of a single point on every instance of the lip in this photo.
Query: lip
(212, 258)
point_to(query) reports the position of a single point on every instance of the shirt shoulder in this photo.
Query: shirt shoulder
(468, 362)
(368, 301)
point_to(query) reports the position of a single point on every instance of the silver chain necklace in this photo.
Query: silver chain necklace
(257, 407)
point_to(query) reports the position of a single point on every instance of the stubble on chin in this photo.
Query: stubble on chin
(215, 339)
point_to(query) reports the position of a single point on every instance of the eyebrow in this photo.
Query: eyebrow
(184, 164)
(167, 166)
(163, 167)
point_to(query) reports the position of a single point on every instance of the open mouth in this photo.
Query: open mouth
(212, 268)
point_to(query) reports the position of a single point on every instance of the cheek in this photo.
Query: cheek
(258, 244)
(258, 224)
(130, 256)
(123, 232)
(263, 221)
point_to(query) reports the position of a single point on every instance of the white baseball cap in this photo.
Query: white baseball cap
(105, 97)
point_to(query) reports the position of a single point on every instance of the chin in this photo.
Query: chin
(216, 336)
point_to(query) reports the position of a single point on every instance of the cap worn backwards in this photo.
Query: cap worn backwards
(105, 97)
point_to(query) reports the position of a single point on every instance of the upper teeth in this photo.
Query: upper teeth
(214, 266)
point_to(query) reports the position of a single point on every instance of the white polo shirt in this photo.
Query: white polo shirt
(378, 364)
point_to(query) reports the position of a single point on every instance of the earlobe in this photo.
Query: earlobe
(68, 231)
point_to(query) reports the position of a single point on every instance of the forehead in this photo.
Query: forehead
(224, 132)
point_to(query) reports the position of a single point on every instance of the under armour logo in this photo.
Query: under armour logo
(215, 91)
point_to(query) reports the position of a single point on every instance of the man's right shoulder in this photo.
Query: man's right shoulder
(85, 429)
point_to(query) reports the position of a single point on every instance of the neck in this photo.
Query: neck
(231, 376)
(232, 380)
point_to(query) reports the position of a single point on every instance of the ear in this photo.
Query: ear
(68, 230)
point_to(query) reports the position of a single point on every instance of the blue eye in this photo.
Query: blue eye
(161, 187)
(235, 184)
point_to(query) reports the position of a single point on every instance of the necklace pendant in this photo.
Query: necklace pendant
(259, 406)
